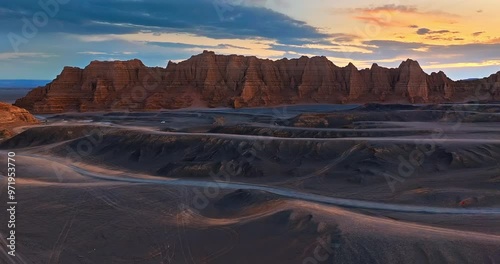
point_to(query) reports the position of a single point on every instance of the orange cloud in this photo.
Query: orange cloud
(388, 8)
(494, 41)
(400, 15)
(462, 64)
(413, 23)
(402, 9)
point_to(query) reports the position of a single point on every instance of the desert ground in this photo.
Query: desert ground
(292, 184)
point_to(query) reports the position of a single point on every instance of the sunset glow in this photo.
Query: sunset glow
(461, 37)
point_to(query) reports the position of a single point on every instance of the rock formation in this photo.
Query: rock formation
(210, 80)
(11, 117)
(480, 89)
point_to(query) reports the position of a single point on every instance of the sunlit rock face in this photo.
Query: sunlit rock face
(211, 80)
(11, 117)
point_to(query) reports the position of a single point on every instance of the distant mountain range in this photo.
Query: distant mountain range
(22, 83)
(211, 80)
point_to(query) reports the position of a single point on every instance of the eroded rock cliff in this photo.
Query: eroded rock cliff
(211, 80)
(11, 117)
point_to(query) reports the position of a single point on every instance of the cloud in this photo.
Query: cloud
(381, 21)
(341, 37)
(392, 9)
(426, 31)
(19, 55)
(225, 46)
(201, 46)
(392, 15)
(494, 41)
(160, 30)
(447, 53)
(389, 8)
(483, 63)
(440, 32)
(215, 19)
(423, 31)
(106, 53)
(476, 34)
(93, 53)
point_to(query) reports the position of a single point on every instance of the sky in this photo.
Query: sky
(459, 37)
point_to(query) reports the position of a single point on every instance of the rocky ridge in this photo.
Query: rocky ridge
(11, 117)
(211, 80)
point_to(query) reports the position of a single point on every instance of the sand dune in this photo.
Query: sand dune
(151, 188)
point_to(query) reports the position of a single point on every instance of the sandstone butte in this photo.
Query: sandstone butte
(11, 117)
(210, 80)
